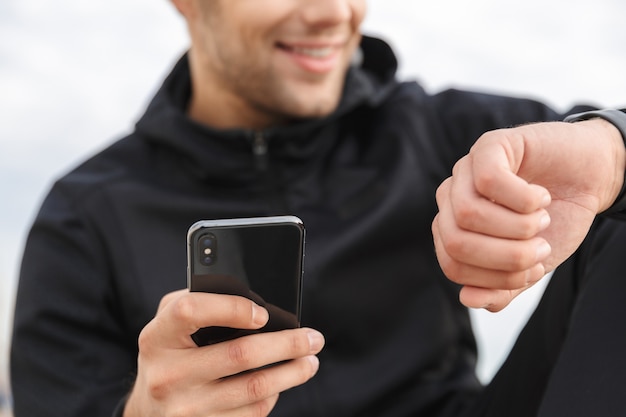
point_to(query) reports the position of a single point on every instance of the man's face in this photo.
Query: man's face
(274, 59)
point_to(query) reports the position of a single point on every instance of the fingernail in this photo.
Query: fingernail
(316, 340)
(260, 316)
(544, 222)
(546, 200)
(315, 362)
(535, 274)
(543, 250)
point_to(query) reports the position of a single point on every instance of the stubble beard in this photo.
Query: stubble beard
(279, 99)
(268, 93)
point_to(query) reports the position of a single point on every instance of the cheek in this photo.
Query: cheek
(359, 9)
(236, 48)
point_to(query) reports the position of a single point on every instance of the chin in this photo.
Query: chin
(318, 112)
(309, 103)
(314, 107)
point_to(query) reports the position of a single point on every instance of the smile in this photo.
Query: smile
(312, 58)
(320, 52)
(313, 52)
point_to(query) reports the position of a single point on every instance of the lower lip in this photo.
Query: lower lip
(314, 65)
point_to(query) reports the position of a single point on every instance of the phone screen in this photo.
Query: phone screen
(258, 258)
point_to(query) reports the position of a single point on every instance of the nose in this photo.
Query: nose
(324, 13)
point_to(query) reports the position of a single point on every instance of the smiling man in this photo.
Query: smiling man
(282, 107)
(257, 65)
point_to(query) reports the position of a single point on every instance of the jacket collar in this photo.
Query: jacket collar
(210, 152)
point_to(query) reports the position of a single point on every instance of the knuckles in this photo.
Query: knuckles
(183, 309)
(486, 182)
(158, 388)
(160, 382)
(517, 256)
(463, 274)
(146, 342)
(520, 259)
(468, 216)
(512, 281)
(456, 247)
(240, 353)
(257, 387)
(264, 407)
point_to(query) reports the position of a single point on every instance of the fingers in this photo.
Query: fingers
(176, 377)
(494, 163)
(167, 298)
(478, 270)
(260, 408)
(491, 289)
(492, 214)
(212, 379)
(253, 393)
(491, 300)
(487, 251)
(250, 388)
(486, 232)
(217, 372)
(256, 351)
(483, 261)
(183, 313)
(486, 235)
(236, 389)
(186, 312)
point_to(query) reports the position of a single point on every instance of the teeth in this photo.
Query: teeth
(313, 52)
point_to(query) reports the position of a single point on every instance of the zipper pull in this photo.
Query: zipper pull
(259, 149)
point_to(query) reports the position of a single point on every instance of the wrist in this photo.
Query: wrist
(615, 120)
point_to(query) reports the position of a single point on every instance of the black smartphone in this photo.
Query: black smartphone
(260, 258)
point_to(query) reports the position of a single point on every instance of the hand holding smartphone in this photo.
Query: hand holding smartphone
(260, 258)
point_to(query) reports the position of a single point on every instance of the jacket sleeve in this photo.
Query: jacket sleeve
(465, 115)
(70, 355)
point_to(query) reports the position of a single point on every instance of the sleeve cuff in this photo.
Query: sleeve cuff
(618, 119)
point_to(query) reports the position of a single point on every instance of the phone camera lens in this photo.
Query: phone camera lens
(207, 246)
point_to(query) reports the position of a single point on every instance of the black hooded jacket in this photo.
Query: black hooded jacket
(109, 242)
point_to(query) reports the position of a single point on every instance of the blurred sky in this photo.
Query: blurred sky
(76, 74)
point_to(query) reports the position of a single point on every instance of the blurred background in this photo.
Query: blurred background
(75, 75)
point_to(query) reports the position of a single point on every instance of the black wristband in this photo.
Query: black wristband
(618, 119)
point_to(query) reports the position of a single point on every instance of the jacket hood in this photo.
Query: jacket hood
(165, 123)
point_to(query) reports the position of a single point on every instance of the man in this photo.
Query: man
(276, 110)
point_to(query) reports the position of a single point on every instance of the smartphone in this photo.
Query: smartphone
(260, 258)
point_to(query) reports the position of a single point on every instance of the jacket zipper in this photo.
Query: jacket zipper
(274, 198)
(259, 149)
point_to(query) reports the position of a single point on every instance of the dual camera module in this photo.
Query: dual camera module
(207, 249)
